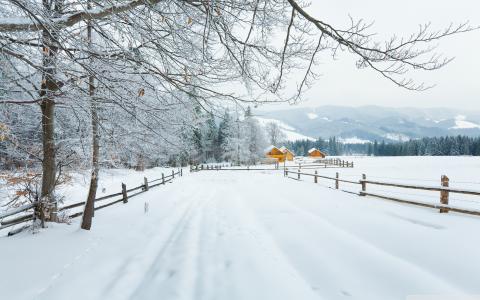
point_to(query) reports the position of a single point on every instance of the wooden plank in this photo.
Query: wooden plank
(109, 204)
(72, 205)
(157, 184)
(332, 178)
(425, 188)
(425, 204)
(16, 223)
(124, 193)
(17, 210)
(108, 196)
(444, 195)
(17, 220)
(133, 195)
(135, 188)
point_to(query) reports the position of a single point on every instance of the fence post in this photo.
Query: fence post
(298, 174)
(181, 172)
(315, 178)
(336, 181)
(444, 195)
(124, 193)
(145, 182)
(163, 179)
(364, 185)
(286, 172)
(173, 174)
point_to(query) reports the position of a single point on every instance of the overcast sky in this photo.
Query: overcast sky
(457, 85)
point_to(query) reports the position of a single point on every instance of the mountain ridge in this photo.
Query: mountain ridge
(370, 122)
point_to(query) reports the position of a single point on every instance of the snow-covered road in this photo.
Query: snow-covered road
(247, 235)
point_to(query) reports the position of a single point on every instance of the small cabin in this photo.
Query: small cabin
(274, 152)
(316, 153)
(289, 155)
(280, 154)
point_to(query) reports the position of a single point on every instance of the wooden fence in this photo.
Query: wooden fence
(444, 189)
(326, 163)
(124, 195)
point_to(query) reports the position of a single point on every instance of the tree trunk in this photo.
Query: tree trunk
(89, 210)
(49, 86)
(48, 163)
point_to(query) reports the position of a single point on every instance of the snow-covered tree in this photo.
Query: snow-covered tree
(136, 69)
(275, 134)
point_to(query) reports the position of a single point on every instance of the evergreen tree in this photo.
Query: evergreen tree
(225, 131)
(210, 138)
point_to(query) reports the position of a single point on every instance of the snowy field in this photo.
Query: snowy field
(251, 235)
(463, 173)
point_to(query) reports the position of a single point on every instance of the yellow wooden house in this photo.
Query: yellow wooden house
(289, 155)
(274, 152)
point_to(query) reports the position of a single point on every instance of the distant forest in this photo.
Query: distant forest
(434, 146)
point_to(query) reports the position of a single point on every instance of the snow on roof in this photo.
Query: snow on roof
(270, 148)
(311, 150)
(285, 149)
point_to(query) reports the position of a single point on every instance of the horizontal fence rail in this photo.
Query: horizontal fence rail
(425, 188)
(6, 222)
(333, 163)
(444, 189)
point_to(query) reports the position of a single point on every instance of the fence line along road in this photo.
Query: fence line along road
(6, 222)
(444, 190)
(331, 163)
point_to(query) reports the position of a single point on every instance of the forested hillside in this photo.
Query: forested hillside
(428, 146)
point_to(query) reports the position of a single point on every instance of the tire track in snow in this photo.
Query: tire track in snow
(168, 262)
(135, 267)
(240, 223)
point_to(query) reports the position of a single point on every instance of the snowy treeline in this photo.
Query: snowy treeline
(434, 146)
(233, 137)
(428, 146)
(330, 146)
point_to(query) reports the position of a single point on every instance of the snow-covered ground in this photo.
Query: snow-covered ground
(463, 172)
(248, 235)
(110, 180)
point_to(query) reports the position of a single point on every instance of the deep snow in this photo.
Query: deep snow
(247, 235)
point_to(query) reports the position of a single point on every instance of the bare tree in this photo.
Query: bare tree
(274, 133)
(152, 58)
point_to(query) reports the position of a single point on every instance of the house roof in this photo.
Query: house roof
(285, 150)
(313, 149)
(270, 148)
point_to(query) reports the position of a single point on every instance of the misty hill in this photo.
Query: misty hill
(368, 123)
